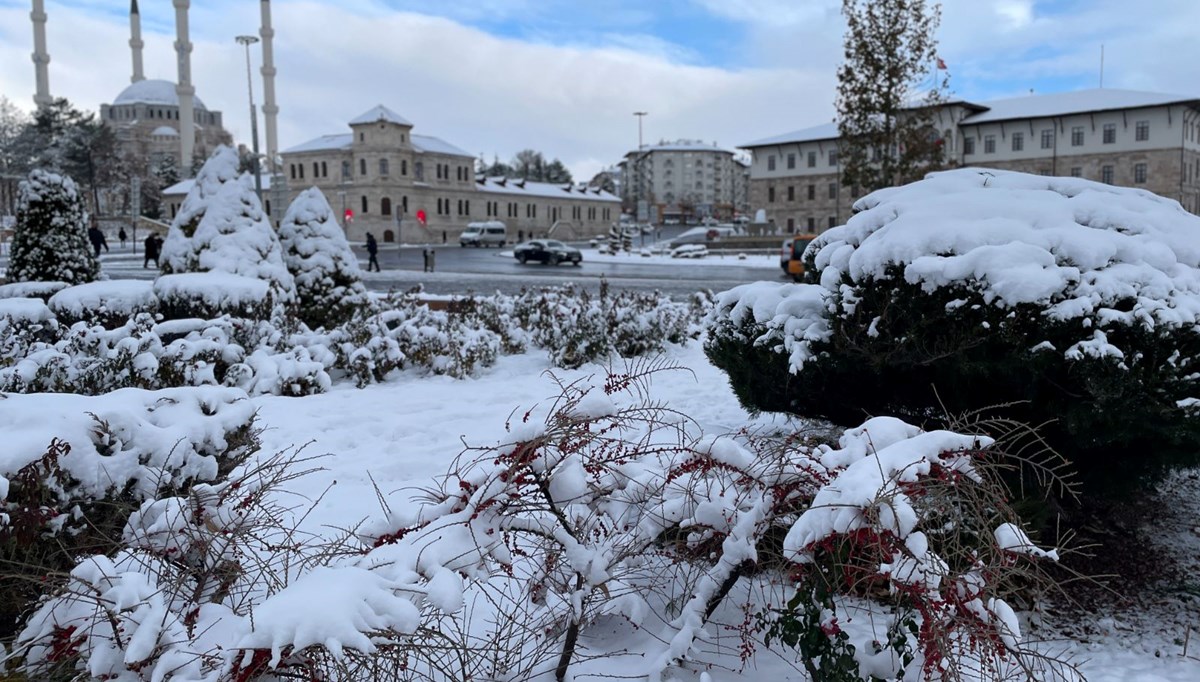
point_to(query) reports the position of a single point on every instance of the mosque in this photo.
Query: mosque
(160, 118)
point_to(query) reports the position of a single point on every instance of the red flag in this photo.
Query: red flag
(421, 216)
(941, 64)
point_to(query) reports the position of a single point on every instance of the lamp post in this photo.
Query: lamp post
(637, 188)
(247, 41)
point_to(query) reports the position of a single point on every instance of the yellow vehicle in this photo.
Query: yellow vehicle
(791, 256)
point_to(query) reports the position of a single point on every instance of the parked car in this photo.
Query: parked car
(547, 251)
(791, 256)
(490, 233)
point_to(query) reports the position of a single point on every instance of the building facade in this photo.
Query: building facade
(145, 118)
(684, 179)
(1121, 137)
(400, 186)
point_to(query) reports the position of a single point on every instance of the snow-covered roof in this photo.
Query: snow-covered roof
(184, 186)
(323, 143)
(380, 113)
(1081, 101)
(153, 91)
(548, 190)
(426, 143)
(165, 130)
(825, 131)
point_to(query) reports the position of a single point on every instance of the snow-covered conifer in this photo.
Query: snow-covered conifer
(178, 254)
(50, 243)
(328, 279)
(234, 236)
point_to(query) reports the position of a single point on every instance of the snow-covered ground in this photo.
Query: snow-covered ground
(403, 433)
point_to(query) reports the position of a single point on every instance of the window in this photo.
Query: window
(419, 171)
(403, 166)
(292, 168)
(362, 166)
(316, 170)
(791, 226)
(989, 144)
(968, 145)
(324, 170)
(1139, 173)
(770, 162)
(791, 161)
(833, 157)
(385, 206)
(1106, 174)
(770, 194)
(361, 137)
(300, 167)
(1110, 133)
(812, 192)
(383, 166)
(404, 204)
(833, 190)
(345, 170)
(832, 221)
(1077, 136)
(812, 224)
(1048, 139)
(1142, 131)
(812, 159)
(1076, 172)
(1018, 142)
(791, 193)
(364, 204)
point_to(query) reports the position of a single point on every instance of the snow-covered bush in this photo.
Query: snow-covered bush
(207, 295)
(1068, 301)
(328, 280)
(42, 290)
(73, 468)
(178, 255)
(50, 241)
(222, 228)
(109, 303)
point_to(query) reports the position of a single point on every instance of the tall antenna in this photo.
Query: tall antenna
(1101, 65)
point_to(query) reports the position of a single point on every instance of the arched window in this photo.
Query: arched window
(324, 170)
(364, 204)
(385, 206)
(316, 170)
(404, 204)
(389, 236)
(362, 166)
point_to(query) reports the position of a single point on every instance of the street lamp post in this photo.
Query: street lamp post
(637, 187)
(247, 41)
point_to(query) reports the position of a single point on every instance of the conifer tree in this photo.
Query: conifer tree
(328, 280)
(178, 254)
(50, 243)
(888, 93)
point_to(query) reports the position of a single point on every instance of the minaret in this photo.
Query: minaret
(270, 109)
(41, 58)
(185, 91)
(135, 42)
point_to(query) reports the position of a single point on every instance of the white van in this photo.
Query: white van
(490, 233)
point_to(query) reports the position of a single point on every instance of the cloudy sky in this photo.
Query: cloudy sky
(564, 76)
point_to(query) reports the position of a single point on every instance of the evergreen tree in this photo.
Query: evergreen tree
(885, 121)
(328, 280)
(557, 173)
(50, 243)
(235, 236)
(177, 252)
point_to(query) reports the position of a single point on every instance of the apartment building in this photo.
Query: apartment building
(1122, 137)
(684, 179)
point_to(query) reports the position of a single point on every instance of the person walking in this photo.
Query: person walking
(153, 247)
(122, 236)
(96, 237)
(373, 252)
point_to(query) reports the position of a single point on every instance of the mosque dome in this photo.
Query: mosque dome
(153, 91)
(165, 131)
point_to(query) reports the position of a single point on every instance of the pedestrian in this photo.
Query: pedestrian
(122, 236)
(373, 252)
(153, 247)
(97, 238)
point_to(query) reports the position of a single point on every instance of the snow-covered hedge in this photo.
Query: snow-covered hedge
(42, 290)
(107, 303)
(74, 467)
(1064, 299)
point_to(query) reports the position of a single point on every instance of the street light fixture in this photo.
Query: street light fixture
(247, 41)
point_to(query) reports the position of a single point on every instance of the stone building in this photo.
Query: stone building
(384, 179)
(145, 117)
(684, 179)
(1123, 137)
